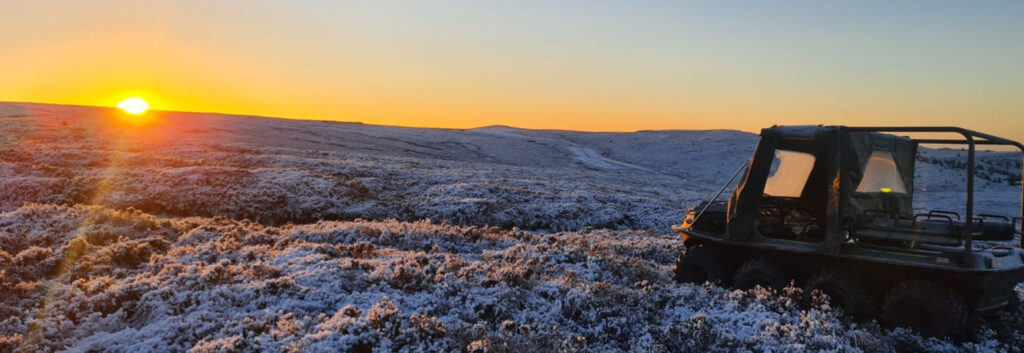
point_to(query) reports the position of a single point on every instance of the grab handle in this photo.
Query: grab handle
(929, 216)
(940, 212)
(986, 215)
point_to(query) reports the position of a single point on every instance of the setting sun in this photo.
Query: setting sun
(133, 105)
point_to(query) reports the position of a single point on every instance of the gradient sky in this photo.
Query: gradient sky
(582, 65)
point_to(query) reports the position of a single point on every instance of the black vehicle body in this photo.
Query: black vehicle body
(854, 213)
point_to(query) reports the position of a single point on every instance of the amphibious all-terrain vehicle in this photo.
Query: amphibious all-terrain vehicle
(830, 208)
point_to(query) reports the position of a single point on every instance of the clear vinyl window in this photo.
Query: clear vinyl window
(789, 173)
(882, 175)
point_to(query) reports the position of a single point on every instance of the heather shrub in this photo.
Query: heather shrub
(88, 278)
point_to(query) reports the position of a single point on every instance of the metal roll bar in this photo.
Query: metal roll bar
(971, 141)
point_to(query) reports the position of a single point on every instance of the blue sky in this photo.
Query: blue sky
(588, 65)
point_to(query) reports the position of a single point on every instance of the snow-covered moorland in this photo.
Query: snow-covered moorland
(86, 278)
(214, 233)
(276, 171)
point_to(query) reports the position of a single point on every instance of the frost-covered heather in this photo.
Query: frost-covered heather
(87, 278)
(213, 233)
(276, 171)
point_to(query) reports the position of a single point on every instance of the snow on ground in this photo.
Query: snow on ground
(941, 175)
(300, 171)
(215, 233)
(85, 278)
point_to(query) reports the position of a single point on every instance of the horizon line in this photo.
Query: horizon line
(363, 123)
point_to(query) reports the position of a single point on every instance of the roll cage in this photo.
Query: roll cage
(841, 152)
(972, 139)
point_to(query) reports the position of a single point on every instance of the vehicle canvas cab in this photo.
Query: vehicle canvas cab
(830, 208)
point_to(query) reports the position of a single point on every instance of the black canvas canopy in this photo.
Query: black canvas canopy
(864, 149)
(850, 173)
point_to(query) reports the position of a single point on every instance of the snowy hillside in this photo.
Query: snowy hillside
(941, 175)
(218, 233)
(277, 171)
(82, 279)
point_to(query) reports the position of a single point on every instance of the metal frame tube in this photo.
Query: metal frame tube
(719, 193)
(969, 228)
(969, 139)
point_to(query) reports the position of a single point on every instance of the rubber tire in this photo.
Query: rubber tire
(761, 271)
(1011, 318)
(1014, 306)
(1006, 321)
(701, 264)
(846, 290)
(927, 307)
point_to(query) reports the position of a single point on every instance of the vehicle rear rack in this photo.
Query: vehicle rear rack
(971, 139)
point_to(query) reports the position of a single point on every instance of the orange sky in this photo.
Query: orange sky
(596, 66)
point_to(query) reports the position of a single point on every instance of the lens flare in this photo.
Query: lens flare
(133, 105)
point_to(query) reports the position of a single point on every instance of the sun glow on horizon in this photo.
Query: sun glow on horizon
(133, 105)
(627, 67)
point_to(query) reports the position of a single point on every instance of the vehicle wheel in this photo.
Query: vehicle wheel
(761, 271)
(701, 264)
(845, 290)
(1014, 306)
(1006, 321)
(928, 307)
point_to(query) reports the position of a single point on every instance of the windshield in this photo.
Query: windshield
(789, 173)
